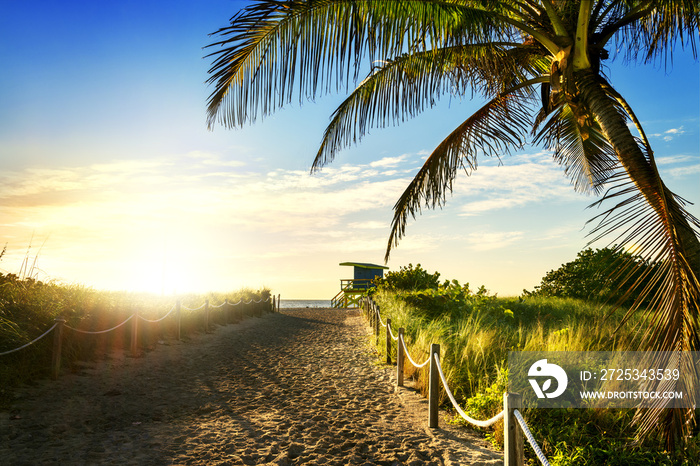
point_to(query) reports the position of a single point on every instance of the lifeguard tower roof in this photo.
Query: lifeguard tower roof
(366, 271)
(365, 265)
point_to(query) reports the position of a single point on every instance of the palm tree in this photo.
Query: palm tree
(537, 66)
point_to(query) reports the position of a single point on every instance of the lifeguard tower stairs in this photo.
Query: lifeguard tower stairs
(351, 289)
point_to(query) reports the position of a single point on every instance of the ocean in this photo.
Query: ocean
(289, 303)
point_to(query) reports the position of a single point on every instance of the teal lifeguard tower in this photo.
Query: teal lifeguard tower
(351, 289)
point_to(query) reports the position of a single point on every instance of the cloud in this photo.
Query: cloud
(389, 161)
(689, 170)
(674, 159)
(200, 210)
(533, 179)
(678, 166)
(136, 201)
(489, 241)
(368, 225)
(669, 134)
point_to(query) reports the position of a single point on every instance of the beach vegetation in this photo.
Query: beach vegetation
(29, 307)
(476, 330)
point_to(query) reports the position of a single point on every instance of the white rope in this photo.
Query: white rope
(476, 422)
(379, 316)
(101, 331)
(405, 351)
(31, 342)
(530, 438)
(188, 309)
(153, 321)
(464, 415)
(230, 304)
(392, 333)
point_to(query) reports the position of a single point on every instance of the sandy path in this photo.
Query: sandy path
(301, 387)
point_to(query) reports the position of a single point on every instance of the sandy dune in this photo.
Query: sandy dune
(300, 387)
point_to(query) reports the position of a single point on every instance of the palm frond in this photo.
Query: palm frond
(493, 130)
(400, 88)
(580, 147)
(648, 217)
(651, 29)
(667, 294)
(273, 46)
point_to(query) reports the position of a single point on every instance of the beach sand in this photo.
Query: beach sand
(299, 387)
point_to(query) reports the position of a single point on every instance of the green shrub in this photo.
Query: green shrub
(408, 279)
(608, 274)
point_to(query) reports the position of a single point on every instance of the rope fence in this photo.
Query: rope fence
(101, 331)
(514, 425)
(31, 342)
(224, 303)
(155, 321)
(464, 415)
(195, 309)
(225, 309)
(530, 437)
(408, 355)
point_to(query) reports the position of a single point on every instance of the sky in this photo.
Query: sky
(110, 179)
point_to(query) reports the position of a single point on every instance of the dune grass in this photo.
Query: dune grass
(475, 337)
(29, 307)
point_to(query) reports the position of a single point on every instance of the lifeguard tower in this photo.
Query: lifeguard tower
(351, 289)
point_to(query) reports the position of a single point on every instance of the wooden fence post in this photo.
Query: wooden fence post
(178, 313)
(376, 324)
(226, 309)
(399, 359)
(57, 341)
(279, 302)
(388, 340)
(135, 334)
(513, 447)
(206, 316)
(433, 388)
